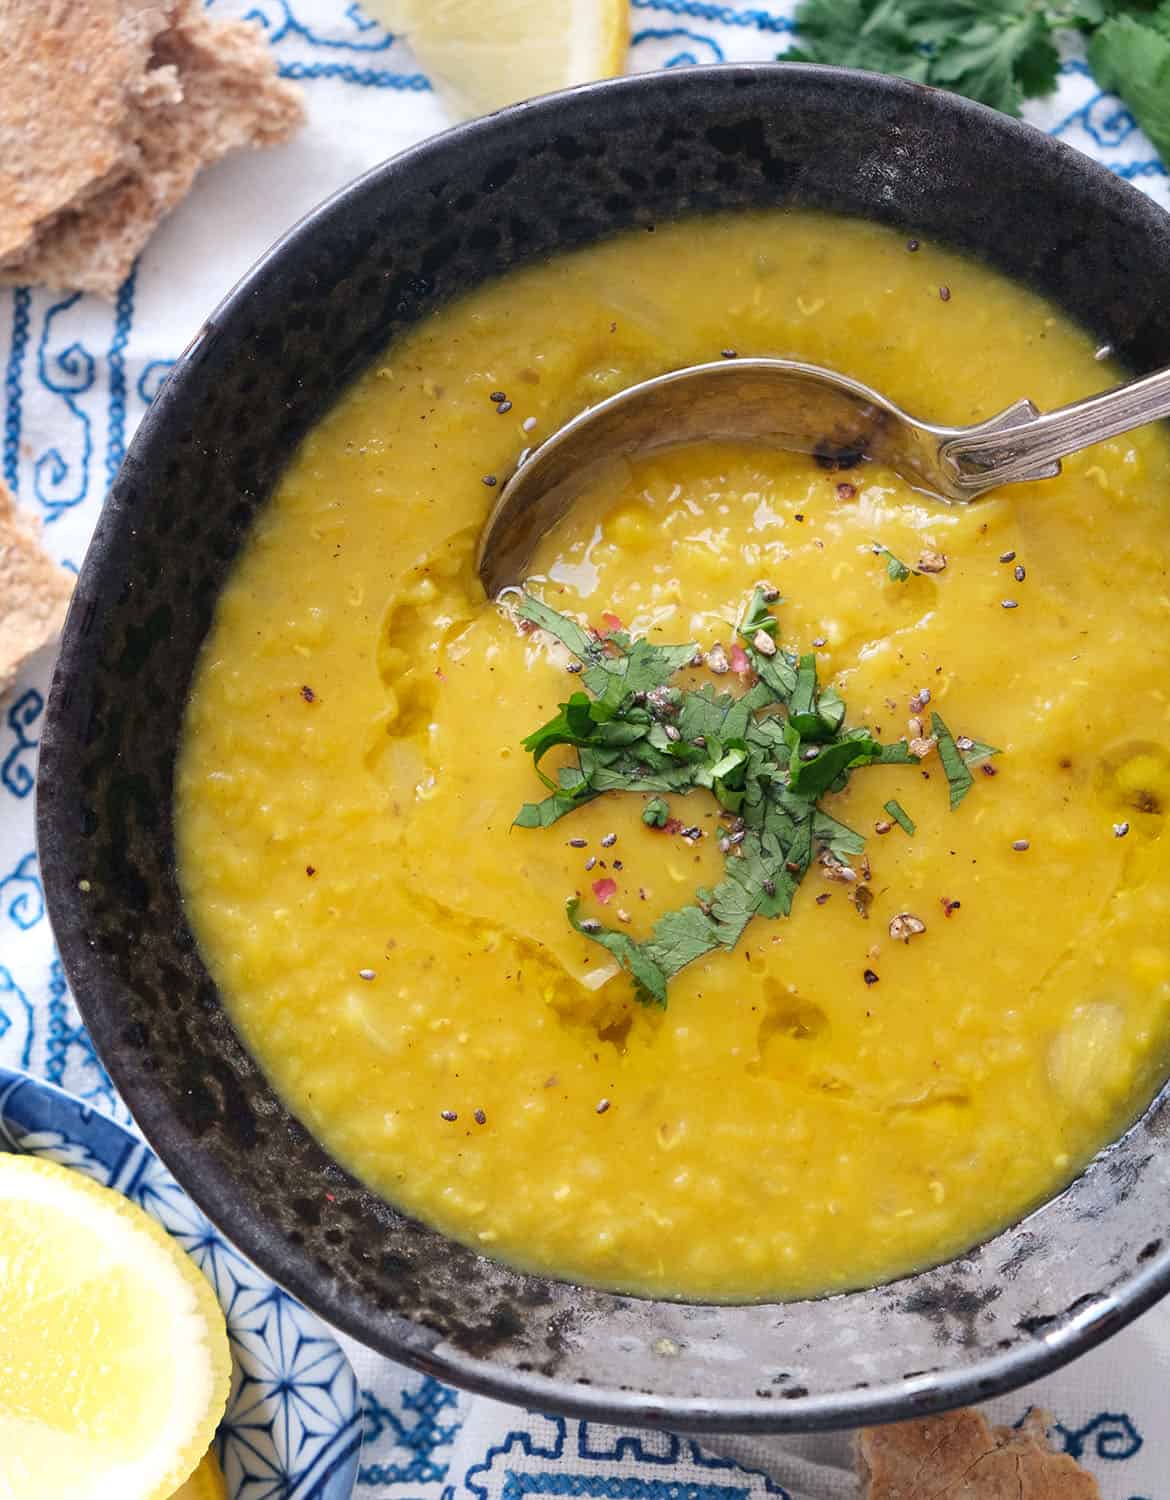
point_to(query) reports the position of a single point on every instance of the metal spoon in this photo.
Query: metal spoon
(782, 404)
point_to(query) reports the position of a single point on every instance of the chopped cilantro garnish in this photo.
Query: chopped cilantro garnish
(900, 816)
(766, 756)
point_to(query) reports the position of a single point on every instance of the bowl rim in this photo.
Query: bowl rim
(397, 1335)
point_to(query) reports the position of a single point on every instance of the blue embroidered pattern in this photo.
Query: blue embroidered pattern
(21, 300)
(116, 366)
(698, 10)
(373, 78)
(22, 901)
(416, 1436)
(11, 992)
(16, 767)
(150, 382)
(70, 373)
(706, 49)
(369, 36)
(1113, 1433)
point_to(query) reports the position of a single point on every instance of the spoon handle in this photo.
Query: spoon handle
(983, 460)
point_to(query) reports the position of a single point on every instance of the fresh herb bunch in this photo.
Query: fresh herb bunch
(767, 757)
(999, 52)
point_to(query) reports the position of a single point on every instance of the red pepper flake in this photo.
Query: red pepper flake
(310, 869)
(329, 1198)
(988, 769)
(308, 694)
(738, 658)
(948, 905)
(479, 1117)
(611, 622)
(846, 491)
(822, 898)
(673, 825)
(870, 977)
(440, 674)
(449, 1115)
(944, 293)
(605, 890)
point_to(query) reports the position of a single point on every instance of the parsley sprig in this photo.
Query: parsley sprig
(767, 756)
(1000, 52)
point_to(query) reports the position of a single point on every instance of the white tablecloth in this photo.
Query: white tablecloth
(78, 374)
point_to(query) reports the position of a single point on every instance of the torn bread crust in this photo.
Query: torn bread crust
(34, 591)
(70, 73)
(960, 1456)
(212, 87)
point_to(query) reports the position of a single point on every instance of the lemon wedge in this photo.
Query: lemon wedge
(488, 53)
(207, 1482)
(114, 1362)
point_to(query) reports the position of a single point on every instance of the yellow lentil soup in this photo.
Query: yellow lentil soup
(945, 1027)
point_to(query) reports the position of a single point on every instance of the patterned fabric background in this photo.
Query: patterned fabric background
(78, 374)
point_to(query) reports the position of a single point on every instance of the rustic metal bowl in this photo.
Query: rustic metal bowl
(381, 254)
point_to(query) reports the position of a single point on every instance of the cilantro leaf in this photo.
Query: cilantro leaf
(959, 778)
(900, 816)
(655, 813)
(839, 839)
(974, 751)
(679, 937)
(895, 567)
(859, 34)
(544, 814)
(649, 978)
(999, 52)
(759, 616)
(810, 778)
(1131, 56)
(567, 631)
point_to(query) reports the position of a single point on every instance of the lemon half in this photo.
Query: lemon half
(114, 1362)
(488, 53)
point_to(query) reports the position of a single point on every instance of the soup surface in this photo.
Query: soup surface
(835, 1099)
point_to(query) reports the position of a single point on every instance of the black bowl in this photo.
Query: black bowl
(383, 253)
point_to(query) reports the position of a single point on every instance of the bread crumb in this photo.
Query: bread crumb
(960, 1456)
(34, 592)
(211, 87)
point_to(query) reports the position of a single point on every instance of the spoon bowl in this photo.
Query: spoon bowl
(780, 403)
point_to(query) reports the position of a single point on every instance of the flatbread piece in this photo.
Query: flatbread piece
(70, 71)
(34, 592)
(212, 86)
(960, 1456)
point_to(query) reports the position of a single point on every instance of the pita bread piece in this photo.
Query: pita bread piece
(959, 1456)
(34, 592)
(69, 73)
(229, 96)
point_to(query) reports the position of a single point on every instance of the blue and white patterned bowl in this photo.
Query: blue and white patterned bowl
(292, 1429)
